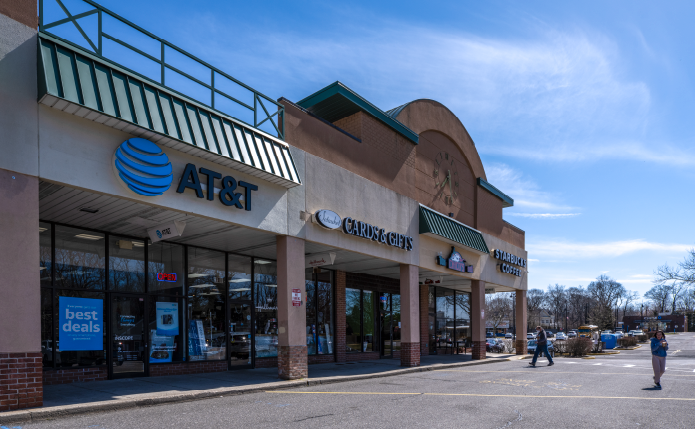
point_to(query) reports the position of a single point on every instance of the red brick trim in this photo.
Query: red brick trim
(521, 347)
(292, 362)
(410, 354)
(316, 359)
(200, 367)
(356, 357)
(479, 350)
(266, 362)
(21, 381)
(74, 375)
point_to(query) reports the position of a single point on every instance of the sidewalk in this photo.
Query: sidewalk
(77, 398)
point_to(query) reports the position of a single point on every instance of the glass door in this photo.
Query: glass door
(385, 322)
(128, 336)
(240, 327)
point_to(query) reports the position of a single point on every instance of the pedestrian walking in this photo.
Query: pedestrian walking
(541, 346)
(659, 348)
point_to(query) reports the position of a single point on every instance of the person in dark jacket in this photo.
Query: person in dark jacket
(541, 346)
(659, 348)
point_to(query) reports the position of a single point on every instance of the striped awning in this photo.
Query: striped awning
(83, 85)
(437, 225)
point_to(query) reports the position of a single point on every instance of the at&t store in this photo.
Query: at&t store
(147, 230)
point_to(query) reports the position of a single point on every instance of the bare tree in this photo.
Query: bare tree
(606, 292)
(535, 298)
(683, 272)
(498, 307)
(556, 300)
(660, 296)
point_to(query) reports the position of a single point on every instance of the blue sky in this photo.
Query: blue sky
(581, 111)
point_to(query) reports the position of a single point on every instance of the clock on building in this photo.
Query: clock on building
(446, 177)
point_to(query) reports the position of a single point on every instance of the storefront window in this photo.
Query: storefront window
(166, 268)
(47, 327)
(68, 336)
(396, 320)
(45, 258)
(324, 311)
(463, 319)
(79, 259)
(126, 264)
(445, 318)
(165, 330)
(206, 304)
(367, 320)
(353, 325)
(311, 328)
(239, 274)
(266, 303)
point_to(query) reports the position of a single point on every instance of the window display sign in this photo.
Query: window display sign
(196, 340)
(161, 347)
(81, 324)
(168, 318)
(166, 277)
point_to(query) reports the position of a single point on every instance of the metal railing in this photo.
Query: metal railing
(260, 112)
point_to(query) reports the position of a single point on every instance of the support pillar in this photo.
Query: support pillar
(410, 315)
(21, 375)
(424, 320)
(521, 322)
(340, 318)
(478, 318)
(292, 351)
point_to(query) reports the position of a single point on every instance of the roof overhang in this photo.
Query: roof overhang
(442, 227)
(507, 201)
(83, 85)
(337, 101)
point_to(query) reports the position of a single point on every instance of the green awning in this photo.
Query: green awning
(435, 224)
(83, 85)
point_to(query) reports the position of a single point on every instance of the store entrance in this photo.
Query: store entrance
(240, 336)
(128, 336)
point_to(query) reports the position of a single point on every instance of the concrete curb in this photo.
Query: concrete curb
(37, 414)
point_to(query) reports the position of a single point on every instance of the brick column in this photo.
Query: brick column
(21, 378)
(292, 351)
(521, 322)
(478, 318)
(340, 322)
(424, 320)
(410, 316)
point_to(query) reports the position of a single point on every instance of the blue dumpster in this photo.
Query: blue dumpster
(610, 340)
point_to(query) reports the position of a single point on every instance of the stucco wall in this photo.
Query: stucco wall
(18, 92)
(331, 187)
(78, 152)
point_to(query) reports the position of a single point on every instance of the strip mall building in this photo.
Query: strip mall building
(145, 231)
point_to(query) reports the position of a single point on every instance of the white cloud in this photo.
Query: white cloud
(534, 260)
(544, 215)
(525, 192)
(570, 249)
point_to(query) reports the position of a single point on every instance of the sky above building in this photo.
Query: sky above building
(581, 111)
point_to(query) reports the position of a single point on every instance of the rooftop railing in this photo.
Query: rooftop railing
(85, 28)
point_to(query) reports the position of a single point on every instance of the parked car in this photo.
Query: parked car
(489, 335)
(508, 336)
(549, 334)
(571, 334)
(607, 331)
(530, 336)
(634, 332)
(493, 345)
(532, 346)
(560, 336)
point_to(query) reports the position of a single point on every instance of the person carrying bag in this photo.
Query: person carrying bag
(659, 348)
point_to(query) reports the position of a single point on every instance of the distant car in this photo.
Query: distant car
(549, 334)
(489, 335)
(532, 346)
(493, 345)
(607, 331)
(508, 335)
(634, 332)
(560, 336)
(571, 334)
(619, 334)
(530, 336)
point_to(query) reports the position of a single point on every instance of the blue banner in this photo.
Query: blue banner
(81, 324)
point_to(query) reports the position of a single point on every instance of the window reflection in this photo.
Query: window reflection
(126, 264)
(166, 268)
(206, 304)
(45, 258)
(266, 303)
(239, 277)
(79, 259)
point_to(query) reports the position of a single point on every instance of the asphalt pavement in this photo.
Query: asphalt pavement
(609, 391)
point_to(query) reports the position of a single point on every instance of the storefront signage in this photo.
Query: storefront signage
(167, 230)
(227, 196)
(489, 290)
(379, 235)
(143, 167)
(166, 277)
(167, 318)
(296, 297)
(328, 219)
(81, 323)
(455, 262)
(123, 338)
(320, 260)
(507, 259)
(126, 320)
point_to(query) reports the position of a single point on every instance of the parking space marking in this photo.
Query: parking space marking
(482, 395)
(566, 372)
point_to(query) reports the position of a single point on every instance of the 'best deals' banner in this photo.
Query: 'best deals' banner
(81, 324)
